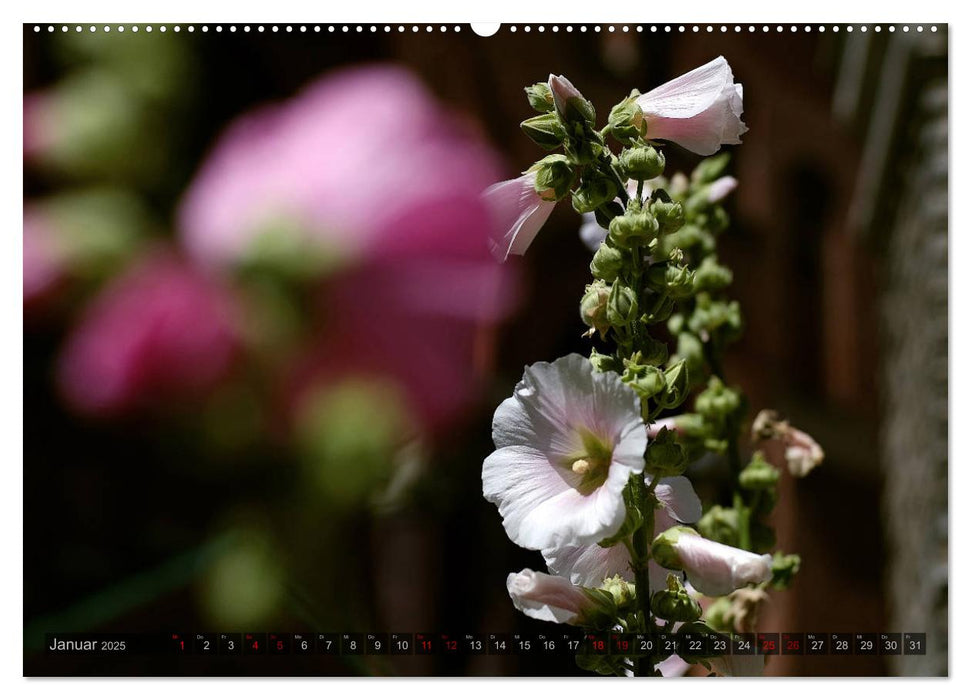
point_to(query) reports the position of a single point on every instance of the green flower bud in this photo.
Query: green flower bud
(633, 229)
(545, 130)
(646, 381)
(659, 307)
(569, 103)
(676, 379)
(595, 191)
(607, 262)
(674, 603)
(720, 524)
(622, 305)
(604, 363)
(691, 350)
(626, 121)
(676, 324)
(540, 97)
(713, 316)
(554, 177)
(655, 352)
(717, 402)
(664, 455)
(593, 306)
(784, 567)
(676, 280)
(710, 276)
(710, 169)
(669, 215)
(759, 475)
(719, 614)
(662, 548)
(622, 591)
(641, 162)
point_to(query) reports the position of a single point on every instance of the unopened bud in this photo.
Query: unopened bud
(633, 229)
(626, 121)
(594, 192)
(664, 455)
(569, 103)
(607, 262)
(554, 176)
(710, 276)
(540, 97)
(676, 379)
(646, 381)
(545, 130)
(674, 604)
(642, 162)
(669, 215)
(593, 306)
(622, 305)
(759, 475)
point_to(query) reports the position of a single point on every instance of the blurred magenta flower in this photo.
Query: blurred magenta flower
(367, 174)
(161, 331)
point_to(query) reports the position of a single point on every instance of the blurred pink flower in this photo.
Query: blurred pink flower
(42, 264)
(366, 168)
(161, 331)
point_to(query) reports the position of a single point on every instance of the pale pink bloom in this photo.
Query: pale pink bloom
(673, 667)
(716, 569)
(700, 110)
(802, 453)
(721, 188)
(545, 597)
(43, 266)
(518, 213)
(589, 565)
(336, 169)
(367, 171)
(563, 93)
(567, 441)
(162, 331)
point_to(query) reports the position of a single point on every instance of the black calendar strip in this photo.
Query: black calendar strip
(688, 645)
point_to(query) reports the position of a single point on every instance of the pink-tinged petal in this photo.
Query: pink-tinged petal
(721, 188)
(678, 497)
(716, 569)
(700, 110)
(544, 597)
(518, 213)
(589, 565)
(42, 264)
(539, 434)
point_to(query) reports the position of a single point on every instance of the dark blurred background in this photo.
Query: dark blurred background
(839, 246)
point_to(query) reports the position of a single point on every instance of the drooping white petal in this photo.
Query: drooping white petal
(678, 497)
(673, 667)
(544, 597)
(543, 429)
(700, 110)
(716, 569)
(518, 213)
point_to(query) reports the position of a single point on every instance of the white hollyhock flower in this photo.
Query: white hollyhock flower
(714, 569)
(567, 441)
(545, 597)
(518, 213)
(589, 565)
(700, 110)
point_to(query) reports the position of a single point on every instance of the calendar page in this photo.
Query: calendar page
(485, 350)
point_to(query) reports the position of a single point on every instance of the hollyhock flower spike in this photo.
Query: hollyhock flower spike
(518, 212)
(548, 598)
(713, 568)
(700, 110)
(567, 441)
